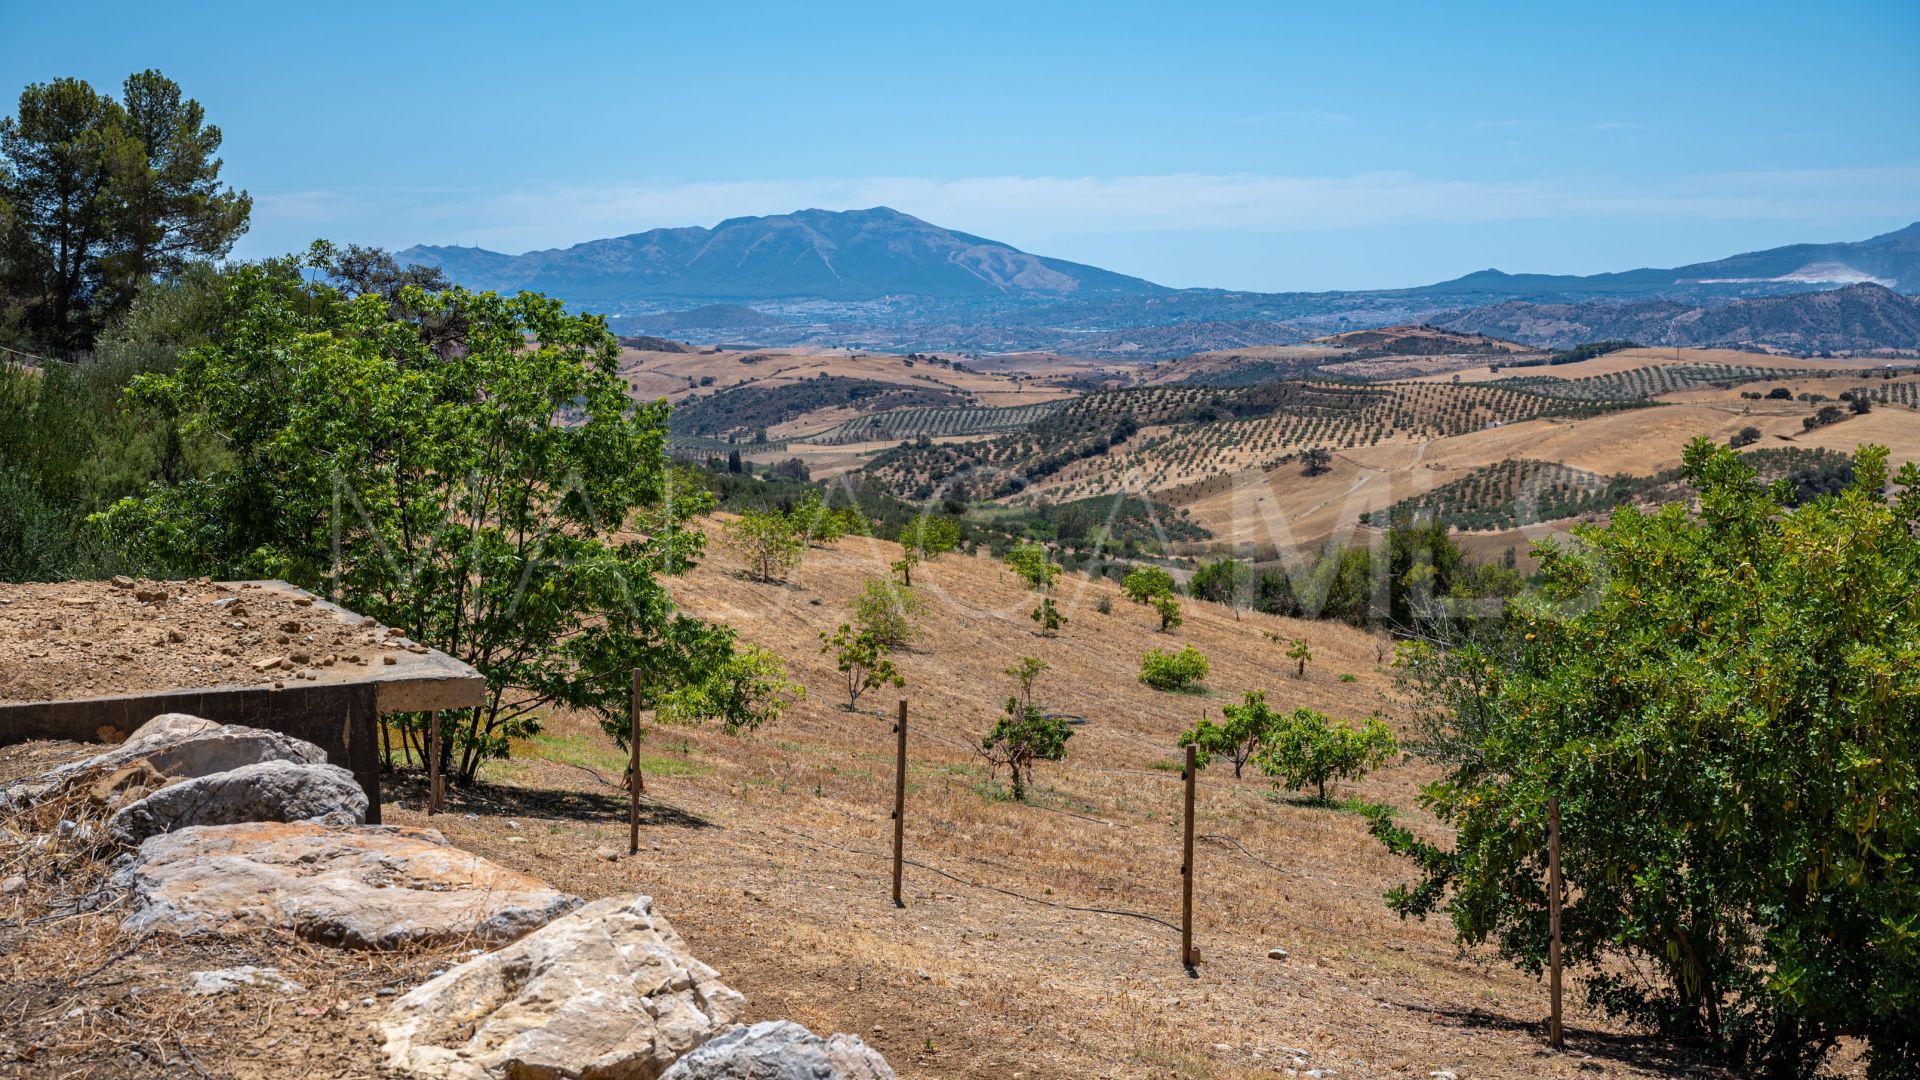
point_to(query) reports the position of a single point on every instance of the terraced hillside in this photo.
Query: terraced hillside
(933, 423)
(1651, 381)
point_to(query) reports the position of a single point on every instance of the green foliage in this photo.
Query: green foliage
(1300, 652)
(98, 196)
(1181, 670)
(930, 536)
(768, 541)
(1143, 584)
(1305, 747)
(1746, 436)
(862, 658)
(465, 467)
(1049, 617)
(1167, 607)
(1030, 562)
(1024, 734)
(885, 610)
(746, 691)
(1727, 703)
(1243, 730)
(1224, 581)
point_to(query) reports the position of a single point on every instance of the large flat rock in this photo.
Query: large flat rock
(608, 992)
(362, 887)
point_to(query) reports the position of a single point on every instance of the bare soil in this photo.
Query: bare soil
(86, 639)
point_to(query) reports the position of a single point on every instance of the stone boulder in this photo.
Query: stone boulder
(263, 791)
(606, 993)
(781, 1050)
(174, 745)
(359, 887)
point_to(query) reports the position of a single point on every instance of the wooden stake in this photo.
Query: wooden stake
(899, 801)
(635, 785)
(1555, 1034)
(436, 783)
(1189, 955)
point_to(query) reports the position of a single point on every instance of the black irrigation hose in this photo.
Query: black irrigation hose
(979, 885)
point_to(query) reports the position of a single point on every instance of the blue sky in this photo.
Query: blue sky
(1242, 145)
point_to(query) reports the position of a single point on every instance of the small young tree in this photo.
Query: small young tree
(925, 538)
(862, 659)
(1307, 748)
(886, 610)
(749, 690)
(1049, 617)
(1243, 730)
(1299, 652)
(1025, 734)
(1168, 609)
(1182, 670)
(767, 541)
(1143, 583)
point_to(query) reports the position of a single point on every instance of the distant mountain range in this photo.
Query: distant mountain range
(882, 279)
(1855, 318)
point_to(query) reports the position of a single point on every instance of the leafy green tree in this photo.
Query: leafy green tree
(1025, 734)
(1242, 731)
(862, 658)
(1144, 583)
(745, 692)
(484, 498)
(98, 196)
(1298, 651)
(1049, 617)
(1168, 608)
(1030, 562)
(1727, 703)
(1224, 581)
(886, 610)
(1181, 670)
(1305, 747)
(768, 541)
(925, 538)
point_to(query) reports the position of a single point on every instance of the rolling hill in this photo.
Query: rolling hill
(1860, 317)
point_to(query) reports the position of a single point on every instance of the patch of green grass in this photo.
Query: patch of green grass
(1172, 765)
(598, 752)
(1347, 676)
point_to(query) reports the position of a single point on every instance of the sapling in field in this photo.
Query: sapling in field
(862, 658)
(1243, 730)
(1307, 748)
(1025, 734)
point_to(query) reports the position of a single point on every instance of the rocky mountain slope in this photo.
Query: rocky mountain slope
(1859, 317)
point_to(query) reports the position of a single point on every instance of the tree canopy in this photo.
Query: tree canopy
(1727, 703)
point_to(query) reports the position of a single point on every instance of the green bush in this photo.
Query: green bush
(1181, 670)
(1307, 748)
(1243, 730)
(1727, 703)
(886, 610)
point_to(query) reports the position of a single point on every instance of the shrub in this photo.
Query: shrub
(886, 610)
(1727, 704)
(1104, 605)
(1168, 609)
(767, 541)
(1747, 437)
(1307, 748)
(1181, 670)
(1243, 730)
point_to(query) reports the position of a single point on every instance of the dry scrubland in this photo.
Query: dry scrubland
(768, 853)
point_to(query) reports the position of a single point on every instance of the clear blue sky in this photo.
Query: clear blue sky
(1243, 145)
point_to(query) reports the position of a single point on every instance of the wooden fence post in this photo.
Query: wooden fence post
(436, 783)
(1189, 954)
(1555, 1034)
(899, 801)
(634, 783)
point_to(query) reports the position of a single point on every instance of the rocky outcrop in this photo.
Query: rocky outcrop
(364, 887)
(174, 745)
(608, 991)
(264, 791)
(781, 1050)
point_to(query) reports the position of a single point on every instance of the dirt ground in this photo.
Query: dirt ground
(1037, 940)
(82, 639)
